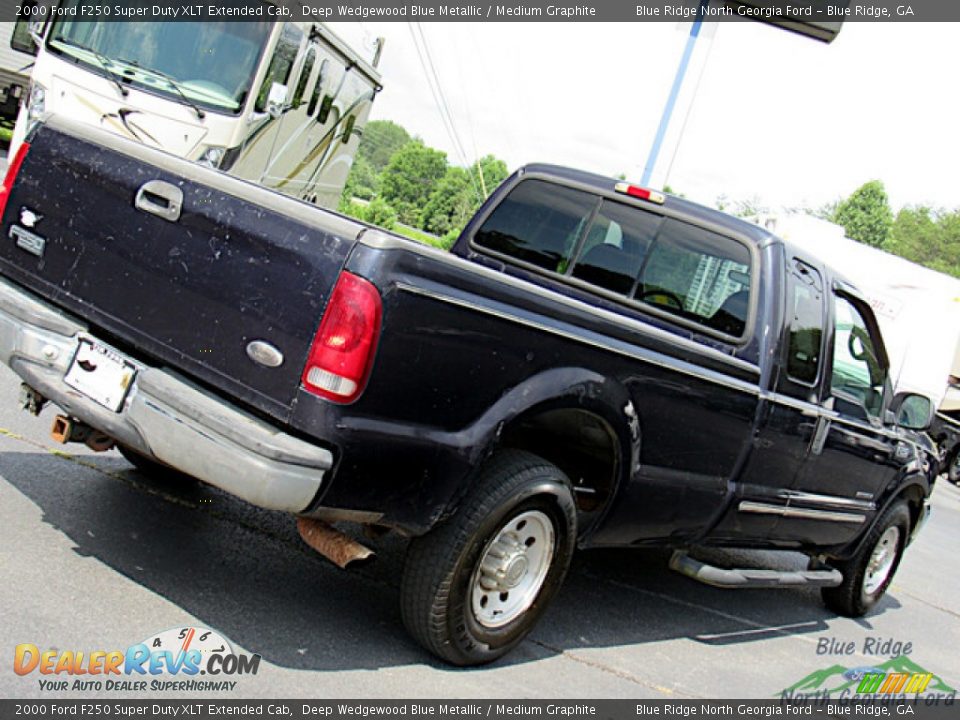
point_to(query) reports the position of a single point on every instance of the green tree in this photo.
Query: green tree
(489, 172)
(751, 207)
(460, 193)
(865, 215)
(451, 203)
(409, 179)
(927, 237)
(363, 181)
(378, 212)
(381, 139)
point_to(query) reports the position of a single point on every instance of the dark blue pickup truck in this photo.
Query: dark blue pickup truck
(593, 365)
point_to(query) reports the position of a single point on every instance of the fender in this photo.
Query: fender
(915, 480)
(569, 388)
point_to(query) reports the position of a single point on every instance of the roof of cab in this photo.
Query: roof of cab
(691, 210)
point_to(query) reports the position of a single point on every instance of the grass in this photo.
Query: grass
(356, 210)
(420, 236)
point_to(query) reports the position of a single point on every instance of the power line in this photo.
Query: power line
(436, 89)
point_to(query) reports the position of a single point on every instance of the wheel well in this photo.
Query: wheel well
(914, 497)
(581, 444)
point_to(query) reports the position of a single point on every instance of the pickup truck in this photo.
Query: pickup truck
(593, 365)
(945, 433)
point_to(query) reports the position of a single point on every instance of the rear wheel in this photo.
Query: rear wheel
(475, 586)
(868, 574)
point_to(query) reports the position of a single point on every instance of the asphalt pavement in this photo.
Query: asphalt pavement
(95, 556)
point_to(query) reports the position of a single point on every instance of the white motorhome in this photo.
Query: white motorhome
(279, 103)
(918, 309)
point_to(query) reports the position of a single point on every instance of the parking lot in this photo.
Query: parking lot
(98, 557)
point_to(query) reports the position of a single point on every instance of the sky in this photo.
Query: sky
(764, 114)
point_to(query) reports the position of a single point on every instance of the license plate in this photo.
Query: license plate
(100, 373)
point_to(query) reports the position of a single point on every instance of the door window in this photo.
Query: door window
(857, 376)
(282, 63)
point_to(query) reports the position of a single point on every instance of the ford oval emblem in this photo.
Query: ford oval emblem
(263, 353)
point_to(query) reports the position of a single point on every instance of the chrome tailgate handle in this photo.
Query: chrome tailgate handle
(161, 199)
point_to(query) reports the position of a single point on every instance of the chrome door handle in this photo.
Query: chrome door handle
(161, 199)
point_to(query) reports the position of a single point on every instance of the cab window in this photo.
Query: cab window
(538, 223)
(698, 275)
(615, 247)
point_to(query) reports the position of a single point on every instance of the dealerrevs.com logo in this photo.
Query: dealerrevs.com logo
(172, 660)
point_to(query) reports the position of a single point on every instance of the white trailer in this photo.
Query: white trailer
(918, 309)
(282, 104)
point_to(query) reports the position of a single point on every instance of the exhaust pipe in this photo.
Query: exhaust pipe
(65, 431)
(335, 546)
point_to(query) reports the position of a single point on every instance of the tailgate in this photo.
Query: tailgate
(236, 265)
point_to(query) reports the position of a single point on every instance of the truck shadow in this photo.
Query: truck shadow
(245, 573)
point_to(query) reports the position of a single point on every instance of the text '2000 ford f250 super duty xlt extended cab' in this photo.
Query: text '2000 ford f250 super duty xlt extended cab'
(593, 365)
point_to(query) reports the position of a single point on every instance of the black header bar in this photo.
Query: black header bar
(827, 12)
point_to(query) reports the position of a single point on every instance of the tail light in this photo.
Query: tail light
(11, 177)
(341, 355)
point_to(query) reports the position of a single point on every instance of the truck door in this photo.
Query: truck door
(851, 455)
(788, 415)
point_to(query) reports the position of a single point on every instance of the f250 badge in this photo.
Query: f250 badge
(26, 240)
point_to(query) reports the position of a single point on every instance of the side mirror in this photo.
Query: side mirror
(27, 35)
(912, 411)
(35, 28)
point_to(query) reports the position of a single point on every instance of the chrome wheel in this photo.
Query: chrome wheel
(882, 560)
(512, 569)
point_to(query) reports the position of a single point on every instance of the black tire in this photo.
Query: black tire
(442, 593)
(861, 589)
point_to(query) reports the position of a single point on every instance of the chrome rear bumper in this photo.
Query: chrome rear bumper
(164, 416)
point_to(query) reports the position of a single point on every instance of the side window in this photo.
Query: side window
(304, 77)
(348, 129)
(318, 88)
(538, 223)
(282, 63)
(857, 374)
(615, 247)
(698, 275)
(325, 108)
(806, 324)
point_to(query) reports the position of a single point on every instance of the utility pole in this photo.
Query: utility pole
(674, 92)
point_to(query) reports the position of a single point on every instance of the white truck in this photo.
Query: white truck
(282, 104)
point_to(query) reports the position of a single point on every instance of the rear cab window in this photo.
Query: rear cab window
(681, 271)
